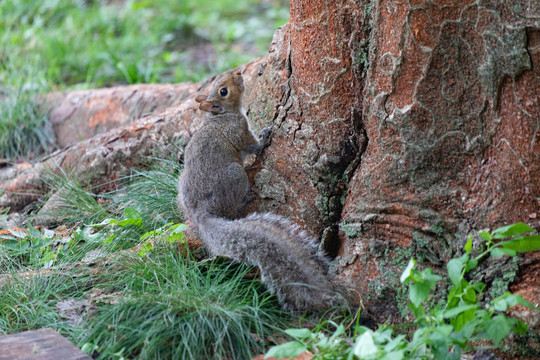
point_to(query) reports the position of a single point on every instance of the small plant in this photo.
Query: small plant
(130, 224)
(443, 331)
(152, 192)
(36, 248)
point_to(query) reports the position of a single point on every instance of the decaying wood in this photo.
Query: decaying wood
(42, 344)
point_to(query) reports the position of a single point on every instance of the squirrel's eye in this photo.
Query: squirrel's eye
(223, 91)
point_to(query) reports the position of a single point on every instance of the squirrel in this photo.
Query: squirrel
(213, 189)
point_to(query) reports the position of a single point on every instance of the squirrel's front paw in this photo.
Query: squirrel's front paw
(265, 135)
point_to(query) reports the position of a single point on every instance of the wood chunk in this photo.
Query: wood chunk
(42, 344)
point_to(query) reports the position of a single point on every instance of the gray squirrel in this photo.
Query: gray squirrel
(213, 189)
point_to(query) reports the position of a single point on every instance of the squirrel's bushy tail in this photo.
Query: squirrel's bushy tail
(289, 260)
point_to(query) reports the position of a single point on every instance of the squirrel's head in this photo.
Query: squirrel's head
(226, 95)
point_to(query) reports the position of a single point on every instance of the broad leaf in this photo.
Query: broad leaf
(48, 233)
(471, 265)
(511, 230)
(499, 251)
(178, 228)
(498, 328)
(131, 213)
(407, 272)
(287, 350)
(507, 300)
(468, 245)
(455, 268)
(418, 292)
(458, 310)
(299, 333)
(365, 346)
(485, 235)
(134, 222)
(33, 232)
(394, 355)
(145, 249)
(522, 244)
(19, 234)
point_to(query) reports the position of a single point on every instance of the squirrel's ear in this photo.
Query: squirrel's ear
(200, 98)
(209, 106)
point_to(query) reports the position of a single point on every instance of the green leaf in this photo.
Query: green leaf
(522, 244)
(174, 237)
(131, 213)
(418, 292)
(471, 265)
(108, 221)
(498, 328)
(429, 276)
(468, 245)
(511, 230)
(16, 245)
(299, 334)
(407, 272)
(150, 233)
(455, 267)
(179, 228)
(499, 251)
(449, 314)
(145, 249)
(478, 286)
(394, 355)
(33, 232)
(41, 243)
(485, 235)
(394, 343)
(365, 346)
(48, 233)
(340, 330)
(507, 300)
(287, 350)
(469, 294)
(135, 222)
(18, 234)
(520, 327)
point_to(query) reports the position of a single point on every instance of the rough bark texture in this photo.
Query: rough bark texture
(436, 139)
(452, 114)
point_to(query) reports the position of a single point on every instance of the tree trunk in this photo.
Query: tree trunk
(399, 128)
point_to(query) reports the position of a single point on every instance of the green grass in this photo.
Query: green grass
(28, 300)
(160, 305)
(66, 44)
(71, 202)
(24, 128)
(172, 307)
(98, 43)
(152, 192)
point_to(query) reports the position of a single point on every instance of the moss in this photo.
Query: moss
(501, 284)
(351, 230)
(524, 346)
(392, 261)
